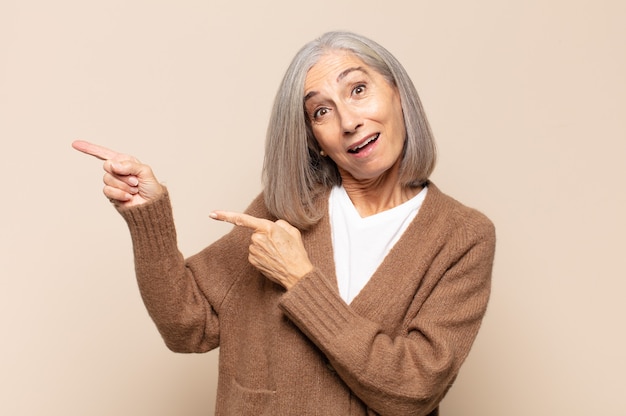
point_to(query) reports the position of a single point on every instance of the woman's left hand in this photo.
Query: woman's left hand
(276, 248)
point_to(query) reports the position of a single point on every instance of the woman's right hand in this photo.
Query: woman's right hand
(127, 181)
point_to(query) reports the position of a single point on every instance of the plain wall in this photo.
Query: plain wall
(527, 100)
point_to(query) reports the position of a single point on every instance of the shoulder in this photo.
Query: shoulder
(258, 208)
(320, 194)
(449, 213)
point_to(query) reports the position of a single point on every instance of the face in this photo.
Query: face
(356, 116)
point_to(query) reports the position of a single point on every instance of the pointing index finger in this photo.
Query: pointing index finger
(94, 150)
(242, 220)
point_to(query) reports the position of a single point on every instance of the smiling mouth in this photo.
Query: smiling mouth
(357, 149)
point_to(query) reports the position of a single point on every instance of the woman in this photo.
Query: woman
(352, 285)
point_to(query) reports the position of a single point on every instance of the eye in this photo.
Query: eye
(359, 89)
(320, 112)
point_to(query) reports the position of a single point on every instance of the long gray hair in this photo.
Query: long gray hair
(293, 171)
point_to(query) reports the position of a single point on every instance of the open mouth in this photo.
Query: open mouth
(358, 148)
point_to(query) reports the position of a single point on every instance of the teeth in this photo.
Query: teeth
(362, 145)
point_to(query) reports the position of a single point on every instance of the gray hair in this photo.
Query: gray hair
(294, 173)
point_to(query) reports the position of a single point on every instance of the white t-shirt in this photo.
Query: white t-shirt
(361, 244)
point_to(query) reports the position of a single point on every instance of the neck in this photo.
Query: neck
(370, 197)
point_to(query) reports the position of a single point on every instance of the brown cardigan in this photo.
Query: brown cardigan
(395, 350)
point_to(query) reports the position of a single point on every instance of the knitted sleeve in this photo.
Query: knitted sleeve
(183, 297)
(407, 372)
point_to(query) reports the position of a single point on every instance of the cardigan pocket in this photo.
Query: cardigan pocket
(244, 401)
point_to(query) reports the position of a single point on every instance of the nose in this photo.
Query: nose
(350, 119)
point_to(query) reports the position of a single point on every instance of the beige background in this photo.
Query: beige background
(527, 100)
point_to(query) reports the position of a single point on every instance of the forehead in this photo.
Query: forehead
(330, 68)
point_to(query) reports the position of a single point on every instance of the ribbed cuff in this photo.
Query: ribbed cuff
(316, 307)
(151, 224)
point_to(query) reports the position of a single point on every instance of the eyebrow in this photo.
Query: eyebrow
(341, 76)
(347, 71)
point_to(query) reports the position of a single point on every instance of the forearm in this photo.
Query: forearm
(387, 374)
(168, 288)
(408, 366)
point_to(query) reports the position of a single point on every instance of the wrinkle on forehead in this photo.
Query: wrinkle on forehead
(327, 64)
